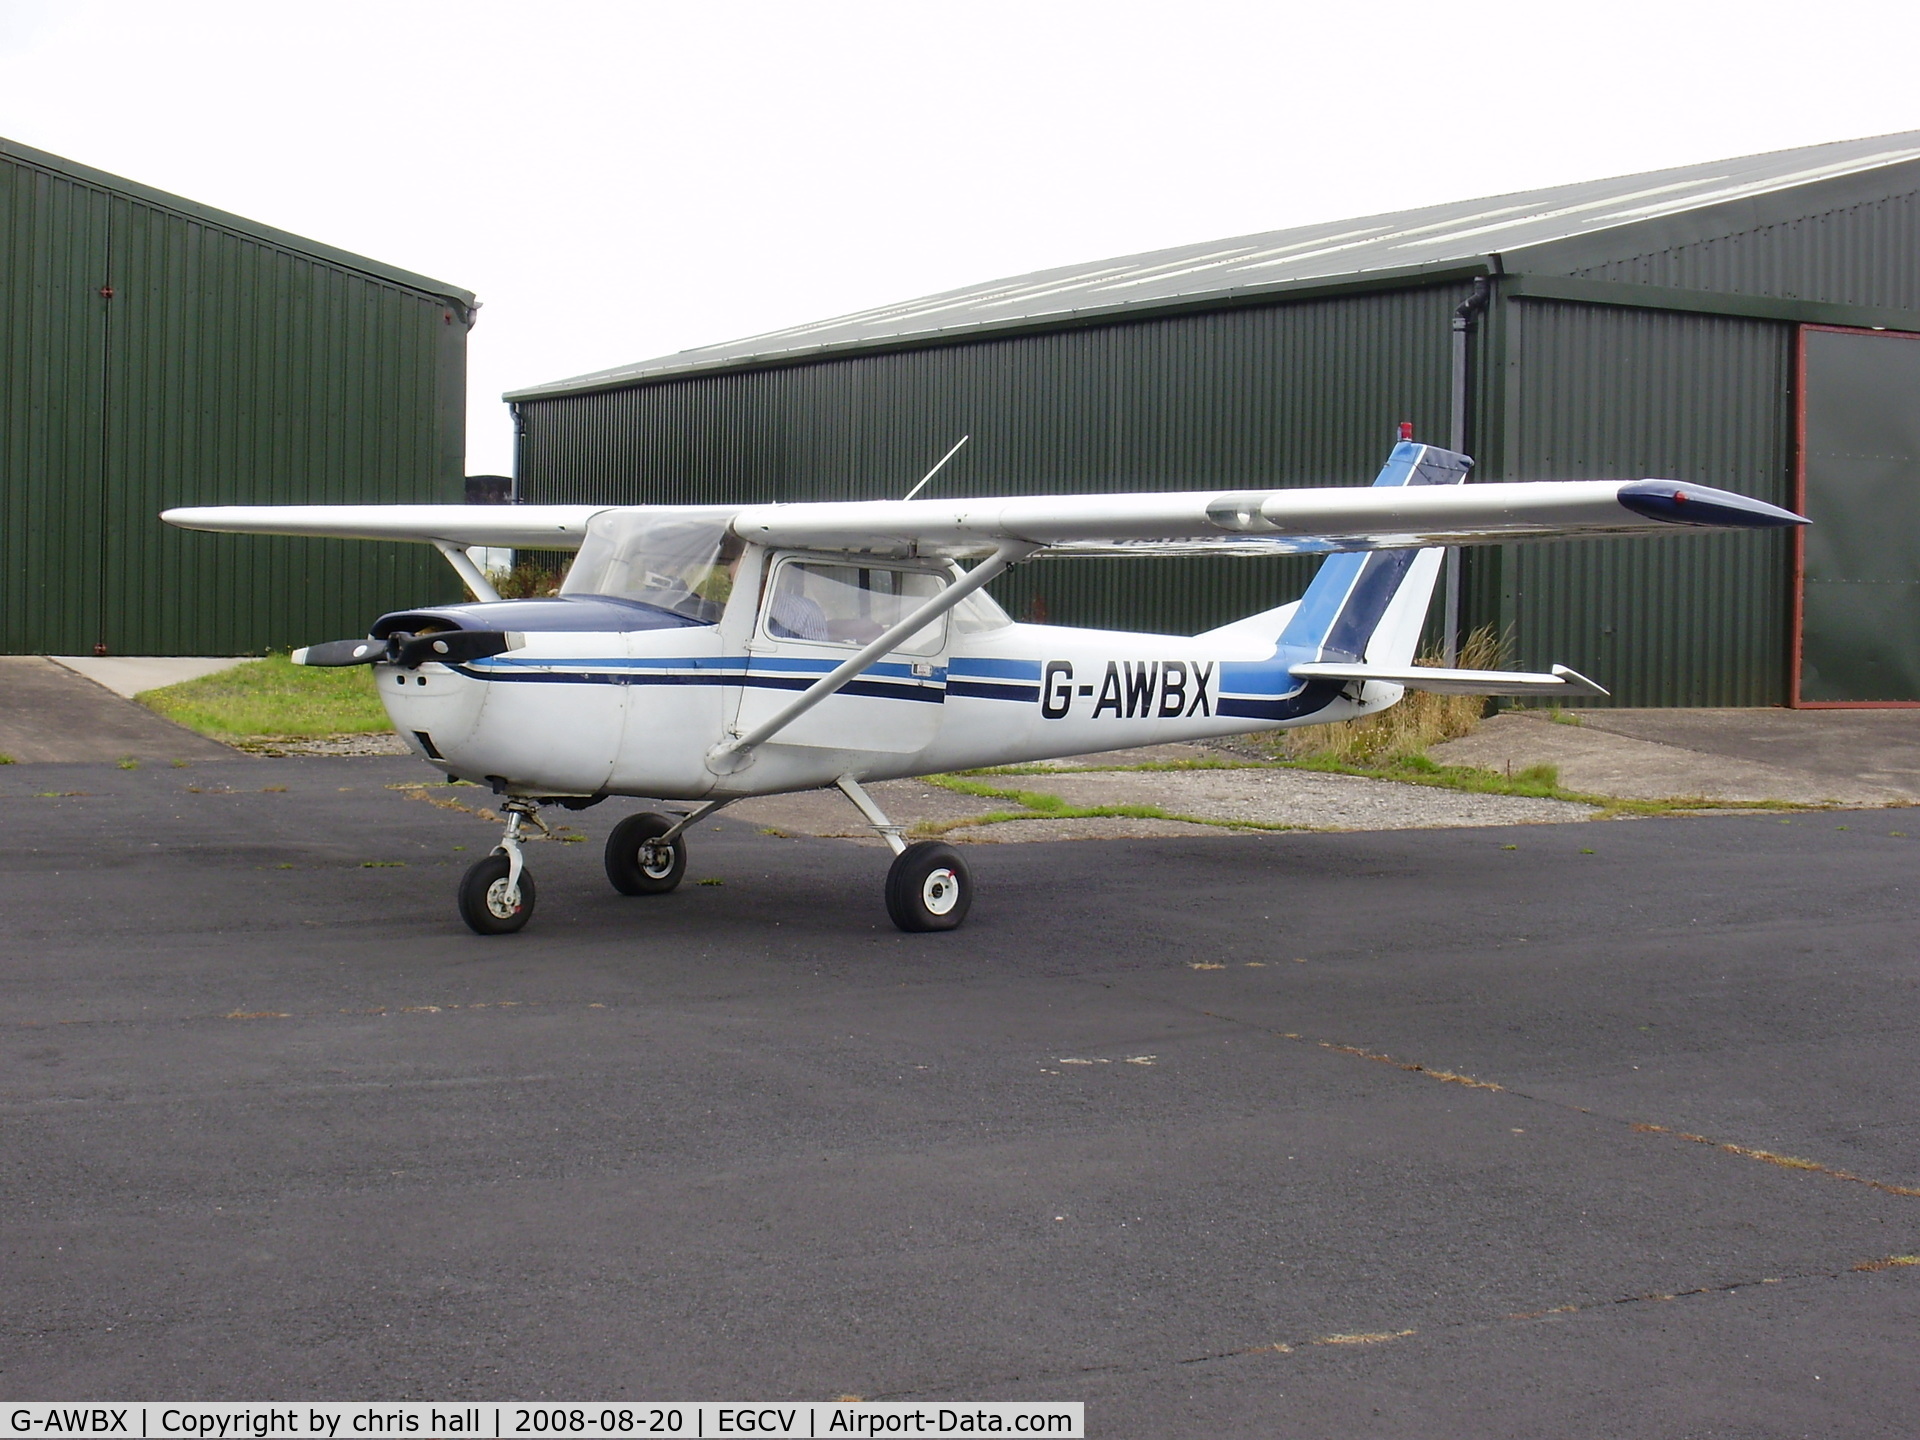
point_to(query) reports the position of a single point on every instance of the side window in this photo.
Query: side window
(850, 604)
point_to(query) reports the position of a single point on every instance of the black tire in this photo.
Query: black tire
(636, 868)
(480, 900)
(929, 888)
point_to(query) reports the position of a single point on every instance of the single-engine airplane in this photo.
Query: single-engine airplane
(706, 654)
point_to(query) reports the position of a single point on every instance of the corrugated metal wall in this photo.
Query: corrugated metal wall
(53, 328)
(223, 370)
(1304, 393)
(1591, 392)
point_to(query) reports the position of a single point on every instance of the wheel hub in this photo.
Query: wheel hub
(503, 902)
(940, 891)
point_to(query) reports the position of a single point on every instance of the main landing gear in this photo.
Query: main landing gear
(928, 885)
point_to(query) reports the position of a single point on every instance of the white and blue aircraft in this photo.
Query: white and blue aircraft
(707, 654)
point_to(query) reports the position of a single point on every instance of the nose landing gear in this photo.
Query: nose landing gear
(496, 894)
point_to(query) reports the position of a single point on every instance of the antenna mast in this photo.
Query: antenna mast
(936, 469)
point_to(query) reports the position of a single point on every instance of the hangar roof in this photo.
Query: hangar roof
(1550, 231)
(238, 224)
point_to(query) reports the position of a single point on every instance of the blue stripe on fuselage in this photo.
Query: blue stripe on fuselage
(754, 672)
(1028, 670)
(1309, 699)
(730, 663)
(987, 690)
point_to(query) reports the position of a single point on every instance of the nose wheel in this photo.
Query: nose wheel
(496, 894)
(492, 902)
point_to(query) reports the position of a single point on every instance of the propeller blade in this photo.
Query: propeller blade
(341, 652)
(453, 647)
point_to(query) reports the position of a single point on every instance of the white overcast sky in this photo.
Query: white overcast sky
(619, 181)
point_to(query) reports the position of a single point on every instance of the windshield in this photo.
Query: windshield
(679, 560)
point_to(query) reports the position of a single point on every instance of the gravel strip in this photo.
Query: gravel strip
(1300, 797)
(385, 743)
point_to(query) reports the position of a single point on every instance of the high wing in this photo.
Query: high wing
(1250, 522)
(1261, 522)
(526, 527)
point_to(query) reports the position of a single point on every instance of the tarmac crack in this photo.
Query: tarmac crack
(1875, 1265)
(1370, 1339)
(1786, 1162)
(1638, 1127)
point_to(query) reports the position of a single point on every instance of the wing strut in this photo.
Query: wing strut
(469, 572)
(737, 754)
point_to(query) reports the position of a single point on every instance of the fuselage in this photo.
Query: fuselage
(605, 697)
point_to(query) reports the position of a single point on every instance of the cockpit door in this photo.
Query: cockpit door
(816, 612)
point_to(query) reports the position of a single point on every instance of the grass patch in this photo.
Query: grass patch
(275, 697)
(1210, 762)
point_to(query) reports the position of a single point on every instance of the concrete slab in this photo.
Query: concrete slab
(129, 675)
(1596, 755)
(1866, 749)
(48, 713)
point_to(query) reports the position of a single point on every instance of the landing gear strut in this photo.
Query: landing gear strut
(496, 894)
(928, 886)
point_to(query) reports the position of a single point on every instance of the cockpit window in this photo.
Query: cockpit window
(679, 560)
(851, 604)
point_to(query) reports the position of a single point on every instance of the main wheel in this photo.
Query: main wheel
(637, 863)
(929, 888)
(483, 897)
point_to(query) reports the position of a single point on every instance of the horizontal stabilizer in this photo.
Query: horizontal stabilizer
(1561, 681)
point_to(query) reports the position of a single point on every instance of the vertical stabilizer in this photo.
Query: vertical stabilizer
(1370, 605)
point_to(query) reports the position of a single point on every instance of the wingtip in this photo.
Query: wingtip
(1682, 504)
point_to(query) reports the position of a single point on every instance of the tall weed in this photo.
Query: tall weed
(1418, 721)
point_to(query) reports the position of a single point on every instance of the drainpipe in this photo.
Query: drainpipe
(1463, 318)
(519, 449)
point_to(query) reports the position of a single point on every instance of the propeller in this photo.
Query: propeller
(450, 647)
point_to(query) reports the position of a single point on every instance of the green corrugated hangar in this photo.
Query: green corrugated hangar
(1748, 324)
(156, 352)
